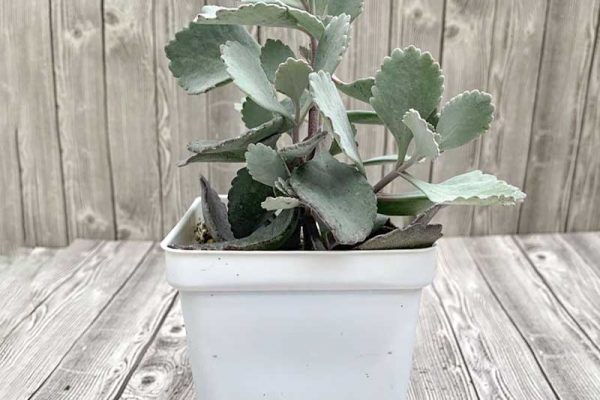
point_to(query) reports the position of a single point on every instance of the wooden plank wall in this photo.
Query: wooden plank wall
(91, 122)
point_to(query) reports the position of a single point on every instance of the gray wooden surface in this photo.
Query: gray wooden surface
(507, 317)
(92, 123)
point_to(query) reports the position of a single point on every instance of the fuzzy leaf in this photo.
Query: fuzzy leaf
(274, 53)
(464, 118)
(335, 149)
(329, 102)
(274, 236)
(290, 3)
(206, 154)
(471, 189)
(265, 165)
(411, 237)
(234, 149)
(338, 7)
(339, 195)
(254, 115)
(403, 204)
(426, 141)
(364, 117)
(280, 203)
(195, 55)
(244, 209)
(263, 14)
(408, 79)
(291, 79)
(214, 213)
(353, 8)
(359, 89)
(302, 149)
(319, 6)
(305, 103)
(333, 44)
(283, 186)
(245, 68)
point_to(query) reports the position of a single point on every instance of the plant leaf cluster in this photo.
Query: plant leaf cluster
(314, 194)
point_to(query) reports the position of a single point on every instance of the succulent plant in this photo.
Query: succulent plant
(314, 194)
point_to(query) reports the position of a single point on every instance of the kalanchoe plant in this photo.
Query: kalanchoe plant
(306, 195)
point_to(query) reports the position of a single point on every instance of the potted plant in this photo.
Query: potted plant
(298, 285)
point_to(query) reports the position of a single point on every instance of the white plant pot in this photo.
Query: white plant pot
(298, 325)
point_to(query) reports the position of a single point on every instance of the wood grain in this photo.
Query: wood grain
(93, 123)
(500, 364)
(17, 268)
(165, 372)
(34, 278)
(418, 23)
(557, 124)
(587, 246)
(583, 214)
(29, 137)
(570, 361)
(36, 346)
(438, 371)
(467, 54)
(12, 229)
(15, 257)
(512, 81)
(574, 282)
(130, 91)
(80, 95)
(498, 322)
(181, 117)
(103, 359)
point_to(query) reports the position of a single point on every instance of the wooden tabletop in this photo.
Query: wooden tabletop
(506, 318)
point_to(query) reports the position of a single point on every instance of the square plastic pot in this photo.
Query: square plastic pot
(298, 325)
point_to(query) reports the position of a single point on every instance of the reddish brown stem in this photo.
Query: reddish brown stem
(313, 121)
(313, 114)
(395, 173)
(386, 180)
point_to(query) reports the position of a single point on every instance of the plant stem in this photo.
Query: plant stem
(313, 121)
(426, 216)
(310, 226)
(390, 176)
(387, 179)
(313, 114)
(337, 80)
(296, 130)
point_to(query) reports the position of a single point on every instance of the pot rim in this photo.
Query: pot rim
(169, 238)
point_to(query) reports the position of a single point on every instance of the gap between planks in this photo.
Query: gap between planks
(566, 355)
(497, 358)
(104, 358)
(46, 335)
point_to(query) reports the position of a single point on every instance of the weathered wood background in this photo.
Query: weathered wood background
(91, 122)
